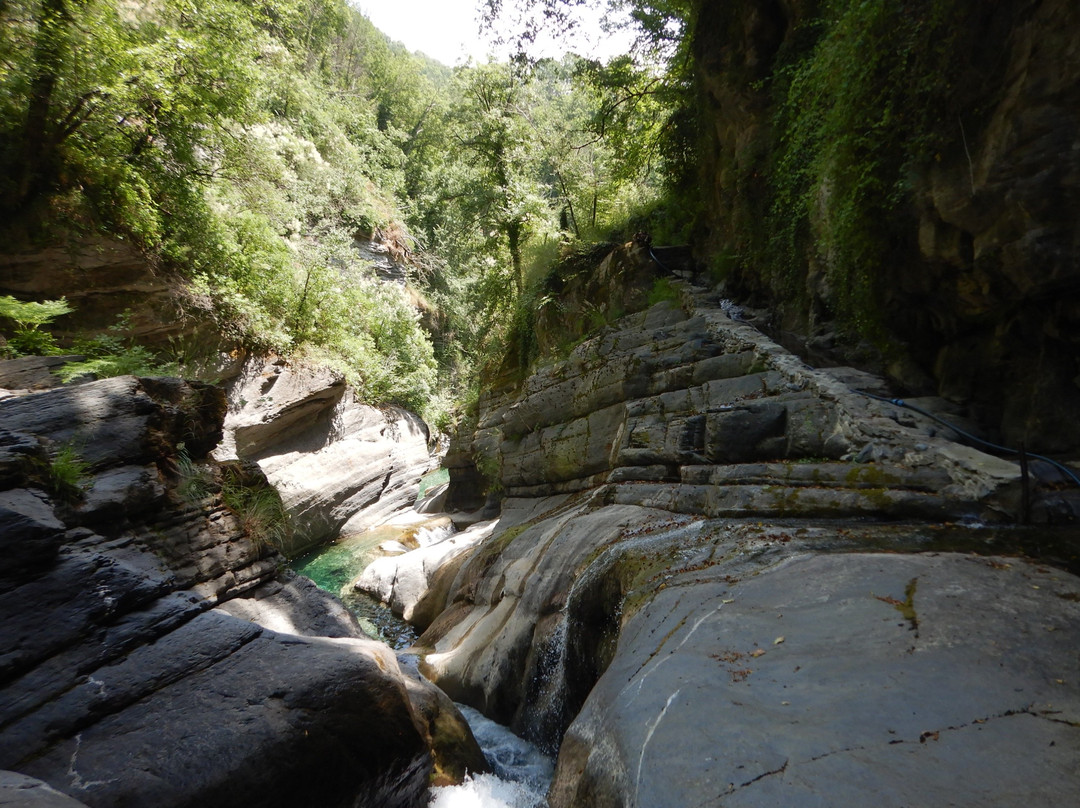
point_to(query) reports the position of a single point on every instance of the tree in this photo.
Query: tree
(490, 128)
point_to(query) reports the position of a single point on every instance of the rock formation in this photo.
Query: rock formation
(131, 673)
(102, 278)
(710, 573)
(979, 276)
(339, 465)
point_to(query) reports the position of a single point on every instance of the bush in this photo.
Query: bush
(67, 474)
(114, 353)
(26, 339)
(257, 506)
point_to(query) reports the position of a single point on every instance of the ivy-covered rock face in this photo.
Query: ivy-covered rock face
(903, 173)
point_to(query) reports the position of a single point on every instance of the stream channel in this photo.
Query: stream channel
(521, 773)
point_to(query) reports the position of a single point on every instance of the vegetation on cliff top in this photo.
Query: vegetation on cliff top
(248, 145)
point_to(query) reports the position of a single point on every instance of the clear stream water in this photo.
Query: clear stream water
(521, 773)
(335, 566)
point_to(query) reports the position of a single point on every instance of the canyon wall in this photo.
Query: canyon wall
(973, 254)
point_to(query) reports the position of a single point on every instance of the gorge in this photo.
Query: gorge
(749, 361)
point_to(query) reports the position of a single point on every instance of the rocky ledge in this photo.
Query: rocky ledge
(131, 672)
(721, 577)
(340, 466)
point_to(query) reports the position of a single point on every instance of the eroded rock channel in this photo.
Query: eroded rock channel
(720, 577)
(698, 570)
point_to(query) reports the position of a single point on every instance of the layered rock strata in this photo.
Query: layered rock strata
(339, 465)
(699, 413)
(131, 672)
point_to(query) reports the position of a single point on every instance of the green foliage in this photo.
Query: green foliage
(26, 339)
(859, 107)
(115, 353)
(663, 290)
(248, 145)
(67, 474)
(195, 481)
(257, 506)
(240, 144)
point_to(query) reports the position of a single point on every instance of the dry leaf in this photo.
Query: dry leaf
(778, 640)
(757, 652)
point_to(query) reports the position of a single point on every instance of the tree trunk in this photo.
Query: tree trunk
(513, 238)
(38, 138)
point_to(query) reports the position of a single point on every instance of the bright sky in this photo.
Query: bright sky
(448, 30)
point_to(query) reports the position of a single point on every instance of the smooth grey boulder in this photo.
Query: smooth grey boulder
(222, 711)
(839, 680)
(293, 604)
(19, 791)
(122, 683)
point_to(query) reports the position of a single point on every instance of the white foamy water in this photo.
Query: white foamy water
(427, 536)
(486, 791)
(521, 772)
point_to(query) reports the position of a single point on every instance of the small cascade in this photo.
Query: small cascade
(544, 710)
(566, 656)
(413, 538)
(427, 536)
(521, 772)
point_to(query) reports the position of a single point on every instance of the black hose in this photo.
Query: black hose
(899, 402)
(659, 262)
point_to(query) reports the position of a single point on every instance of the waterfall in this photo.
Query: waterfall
(520, 776)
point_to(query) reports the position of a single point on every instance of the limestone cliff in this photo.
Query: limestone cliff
(975, 256)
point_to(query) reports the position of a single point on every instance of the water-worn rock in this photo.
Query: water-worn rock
(338, 464)
(123, 683)
(696, 660)
(685, 579)
(838, 680)
(415, 584)
(20, 791)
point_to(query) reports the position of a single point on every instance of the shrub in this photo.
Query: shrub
(115, 353)
(26, 339)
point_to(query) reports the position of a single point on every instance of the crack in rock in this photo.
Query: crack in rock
(732, 787)
(648, 737)
(76, 778)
